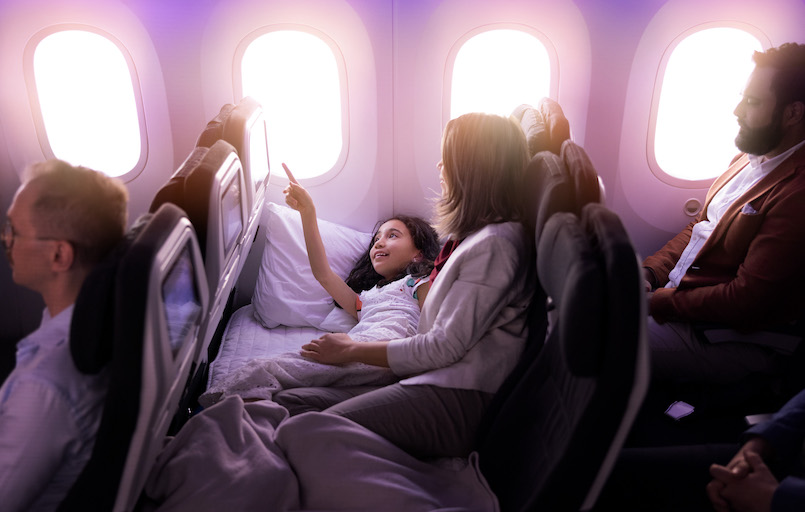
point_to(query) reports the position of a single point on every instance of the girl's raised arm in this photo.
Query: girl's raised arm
(299, 199)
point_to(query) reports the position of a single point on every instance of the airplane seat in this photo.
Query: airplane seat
(533, 126)
(93, 313)
(548, 190)
(215, 128)
(173, 191)
(556, 123)
(624, 275)
(554, 440)
(793, 380)
(545, 126)
(583, 177)
(243, 126)
(210, 186)
(136, 318)
(602, 191)
(537, 330)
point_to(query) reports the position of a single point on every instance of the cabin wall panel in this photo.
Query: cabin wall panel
(359, 193)
(176, 32)
(615, 29)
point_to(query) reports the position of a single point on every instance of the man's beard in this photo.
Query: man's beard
(760, 141)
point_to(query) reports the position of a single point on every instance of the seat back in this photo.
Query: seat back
(548, 190)
(551, 443)
(626, 361)
(244, 127)
(210, 186)
(545, 126)
(586, 185)
(138, 316)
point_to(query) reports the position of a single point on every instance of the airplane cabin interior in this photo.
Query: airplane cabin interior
(628, 112)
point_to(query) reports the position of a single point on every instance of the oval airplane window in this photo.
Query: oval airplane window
(490, 74)
(86, 98)
(694, 127)
(294, 75)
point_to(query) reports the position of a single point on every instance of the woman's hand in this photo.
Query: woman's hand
(295, 194)
(333, 348)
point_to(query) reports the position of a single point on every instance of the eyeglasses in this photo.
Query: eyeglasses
(9, 236)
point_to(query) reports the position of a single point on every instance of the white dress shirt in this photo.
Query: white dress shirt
(49, 415)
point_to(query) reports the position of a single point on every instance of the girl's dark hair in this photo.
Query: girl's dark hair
(363, 275)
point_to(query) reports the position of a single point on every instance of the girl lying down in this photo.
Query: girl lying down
(384, 292)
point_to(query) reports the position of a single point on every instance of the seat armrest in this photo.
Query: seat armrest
(754, 419)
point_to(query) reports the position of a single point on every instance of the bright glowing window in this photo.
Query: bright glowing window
(497, 70)
(695, 127)
(86, 98)
(294, 75)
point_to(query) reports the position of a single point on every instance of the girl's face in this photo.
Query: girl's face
(393, 249)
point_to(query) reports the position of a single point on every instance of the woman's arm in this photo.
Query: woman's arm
(299, 199)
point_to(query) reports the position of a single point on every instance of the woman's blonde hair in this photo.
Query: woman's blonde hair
(484, 157)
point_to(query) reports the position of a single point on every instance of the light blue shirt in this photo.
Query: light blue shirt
(729, 193)
(49, 415)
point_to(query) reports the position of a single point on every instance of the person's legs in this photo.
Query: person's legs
(299, 400)
(425, 421)
(679, 355)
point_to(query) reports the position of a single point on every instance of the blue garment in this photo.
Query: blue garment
(786, 433)
(49, 415)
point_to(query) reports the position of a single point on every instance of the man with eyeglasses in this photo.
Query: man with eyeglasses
(63, 220)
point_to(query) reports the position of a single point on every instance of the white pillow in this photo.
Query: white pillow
(286, 293)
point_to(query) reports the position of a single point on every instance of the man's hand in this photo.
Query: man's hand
(745, 483)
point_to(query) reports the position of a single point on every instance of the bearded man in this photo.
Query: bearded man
(727, 294)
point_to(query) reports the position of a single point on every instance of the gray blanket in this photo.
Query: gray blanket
(246, 457)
